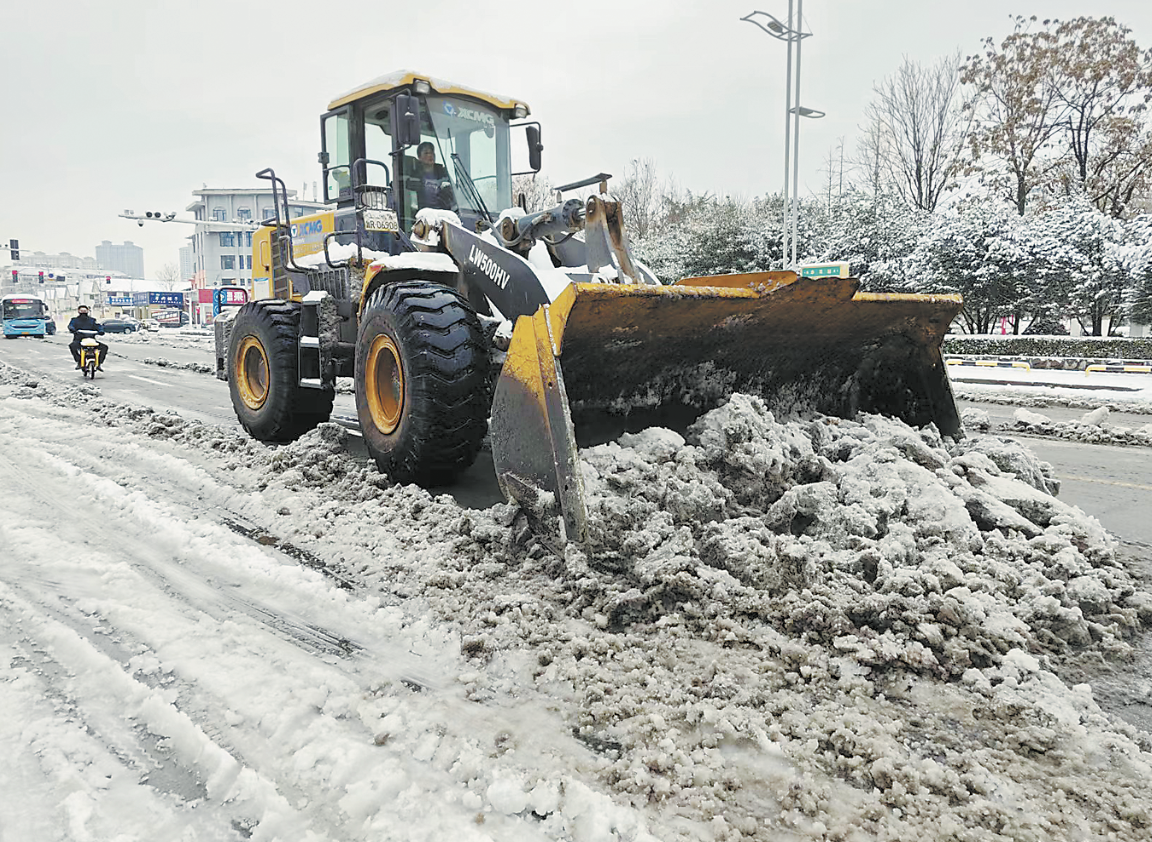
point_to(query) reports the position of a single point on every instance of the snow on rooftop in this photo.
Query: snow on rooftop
(398, 78)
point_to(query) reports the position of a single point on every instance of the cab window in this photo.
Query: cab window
(377, 147)
(338, 182)
(462, 162)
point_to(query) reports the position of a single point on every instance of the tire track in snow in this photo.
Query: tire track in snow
(317, 746)
(202, 574)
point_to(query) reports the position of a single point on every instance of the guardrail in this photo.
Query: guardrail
(1119, 369)
(989, 363)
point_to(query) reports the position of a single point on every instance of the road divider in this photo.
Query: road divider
(1119, 369)
(989, 363)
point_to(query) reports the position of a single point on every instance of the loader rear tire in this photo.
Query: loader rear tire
(263, 374)
(421, 372)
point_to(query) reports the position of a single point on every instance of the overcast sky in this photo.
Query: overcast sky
(134, 104)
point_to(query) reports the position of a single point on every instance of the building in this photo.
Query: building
(39, 279)
(187, 262)
(222, 254)
(126, 258)
(63, 260)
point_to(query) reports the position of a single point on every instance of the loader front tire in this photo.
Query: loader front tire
(263, 374)
(421, 374)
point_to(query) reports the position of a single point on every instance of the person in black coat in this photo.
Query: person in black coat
(434, 190)
(83, 321)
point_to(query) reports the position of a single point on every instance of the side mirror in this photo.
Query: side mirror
(535, 147)
(407, 121)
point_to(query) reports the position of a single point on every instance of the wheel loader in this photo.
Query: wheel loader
(461, 316)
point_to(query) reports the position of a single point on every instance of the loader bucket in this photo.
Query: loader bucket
(604, 359)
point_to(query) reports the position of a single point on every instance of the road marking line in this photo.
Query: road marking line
(1108, 482)
(146, 380)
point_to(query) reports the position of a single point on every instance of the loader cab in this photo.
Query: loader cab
(384, 128)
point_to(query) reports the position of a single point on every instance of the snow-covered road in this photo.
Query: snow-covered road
(171, 674)
(784, 630)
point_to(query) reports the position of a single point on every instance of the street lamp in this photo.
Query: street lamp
(203, 226)
(814, 113)
(791, 35)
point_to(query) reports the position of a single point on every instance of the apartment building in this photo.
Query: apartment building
(221, 247)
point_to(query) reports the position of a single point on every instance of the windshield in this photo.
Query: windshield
(470, 143)
(24, 308)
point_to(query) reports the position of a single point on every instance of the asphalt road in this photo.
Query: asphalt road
(1112, 483)
(127, 378)
(132, 374)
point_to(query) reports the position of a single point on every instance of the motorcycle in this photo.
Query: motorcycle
(89, 353)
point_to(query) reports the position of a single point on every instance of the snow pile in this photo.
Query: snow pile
(869, 537)
(161, 362)
(819, 629)
(818, 626)
(1052, 395)
(1093, 428)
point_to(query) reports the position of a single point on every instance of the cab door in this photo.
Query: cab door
(336, 147)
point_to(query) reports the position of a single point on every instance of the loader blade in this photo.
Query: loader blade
(604, 359)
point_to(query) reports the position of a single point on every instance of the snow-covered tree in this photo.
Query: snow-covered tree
(875, 234)
(1077, 251)
(918, 129)
(1135, 255)
(1017, 110)
(536, 190)
(644, 196)
(711, 236)
(1102, 79)
(168, 277)
(1060, 108)
(978, 249)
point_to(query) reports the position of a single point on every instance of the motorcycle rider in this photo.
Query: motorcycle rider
(83, 321)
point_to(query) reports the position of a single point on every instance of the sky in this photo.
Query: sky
(203, 637)
(134, 104)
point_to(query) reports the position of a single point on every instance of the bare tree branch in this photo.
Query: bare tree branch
(918, 129)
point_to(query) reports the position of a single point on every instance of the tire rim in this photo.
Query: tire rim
(384, 384)
(252, 373)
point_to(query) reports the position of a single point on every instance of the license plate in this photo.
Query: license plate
(381, 220)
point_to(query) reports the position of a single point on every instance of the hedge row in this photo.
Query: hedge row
(1083, 347)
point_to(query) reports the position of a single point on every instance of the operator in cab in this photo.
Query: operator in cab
(434, 190)
(83, 321)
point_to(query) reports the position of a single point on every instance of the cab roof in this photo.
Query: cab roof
(404, 78)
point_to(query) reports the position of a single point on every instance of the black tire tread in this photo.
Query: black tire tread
(446, 414)
(289, 411)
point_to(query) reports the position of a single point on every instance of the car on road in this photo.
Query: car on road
(172, 318)
(120, 326)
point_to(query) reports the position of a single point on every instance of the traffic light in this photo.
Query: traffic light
(14, 249)
(41, 277)
(15, 276)
(108, 279)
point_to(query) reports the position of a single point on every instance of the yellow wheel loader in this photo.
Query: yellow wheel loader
(454, 310)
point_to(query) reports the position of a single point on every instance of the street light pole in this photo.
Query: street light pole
(792, 32)
(796, 130)
(787, 132)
